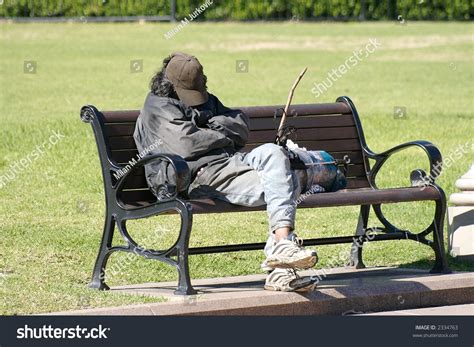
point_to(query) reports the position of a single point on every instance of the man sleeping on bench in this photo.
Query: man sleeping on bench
(183, 118)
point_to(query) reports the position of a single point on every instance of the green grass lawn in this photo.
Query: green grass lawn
(51, 214)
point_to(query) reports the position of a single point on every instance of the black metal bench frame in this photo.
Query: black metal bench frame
(118, 212)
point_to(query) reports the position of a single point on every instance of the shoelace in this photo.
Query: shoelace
(298, 241)
(295, 273)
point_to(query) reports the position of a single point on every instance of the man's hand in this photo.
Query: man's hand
(201, 118)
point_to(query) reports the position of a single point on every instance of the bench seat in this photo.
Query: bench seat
(345, 197)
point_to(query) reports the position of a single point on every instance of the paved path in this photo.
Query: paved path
(342, 291)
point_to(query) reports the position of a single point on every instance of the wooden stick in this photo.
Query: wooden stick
(290, 97)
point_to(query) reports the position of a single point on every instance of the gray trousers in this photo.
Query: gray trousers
(261, 176)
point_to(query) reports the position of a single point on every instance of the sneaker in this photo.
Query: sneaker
(264, 266)
(291, 254)
(287, 280)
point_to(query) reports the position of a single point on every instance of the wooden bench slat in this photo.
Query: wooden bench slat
(357, 182)
(307, 134)
(123, 156)
(120, 116)
(261, 136)
(356, 171)
(340, 198)
(142, 196)
(314, 121)
(119, 129)
(355, 157)
(251, 111)
(261, 123)
(122, 142)
(300, 110)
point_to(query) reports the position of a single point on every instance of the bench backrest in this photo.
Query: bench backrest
(333, 127)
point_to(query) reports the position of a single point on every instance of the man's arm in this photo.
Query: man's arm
(234, 124)
(179, 134)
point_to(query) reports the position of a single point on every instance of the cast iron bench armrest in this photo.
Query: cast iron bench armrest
(181, 170)
(434, 156)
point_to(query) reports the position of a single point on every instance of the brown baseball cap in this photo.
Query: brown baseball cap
(187, 76)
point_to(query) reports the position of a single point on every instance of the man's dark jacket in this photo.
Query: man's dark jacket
(200, 135)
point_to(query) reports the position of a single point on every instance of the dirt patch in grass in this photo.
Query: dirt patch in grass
(334, 43)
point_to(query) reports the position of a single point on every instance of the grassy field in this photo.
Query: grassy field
(51, 212)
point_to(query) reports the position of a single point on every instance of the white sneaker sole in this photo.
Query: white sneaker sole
(301, 285)
(292, 262)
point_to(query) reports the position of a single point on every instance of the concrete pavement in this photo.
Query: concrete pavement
(342, 291)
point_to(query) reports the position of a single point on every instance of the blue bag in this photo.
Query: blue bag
(318, 168)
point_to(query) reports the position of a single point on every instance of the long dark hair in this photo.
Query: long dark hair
(160, 85)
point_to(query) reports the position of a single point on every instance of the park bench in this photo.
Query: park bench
(333, 127)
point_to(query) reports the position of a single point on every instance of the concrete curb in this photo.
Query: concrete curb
(343, 292)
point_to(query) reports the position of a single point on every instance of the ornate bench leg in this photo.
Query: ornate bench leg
(441, 263)
(184, 282)
(98, 275)
(356, 248)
